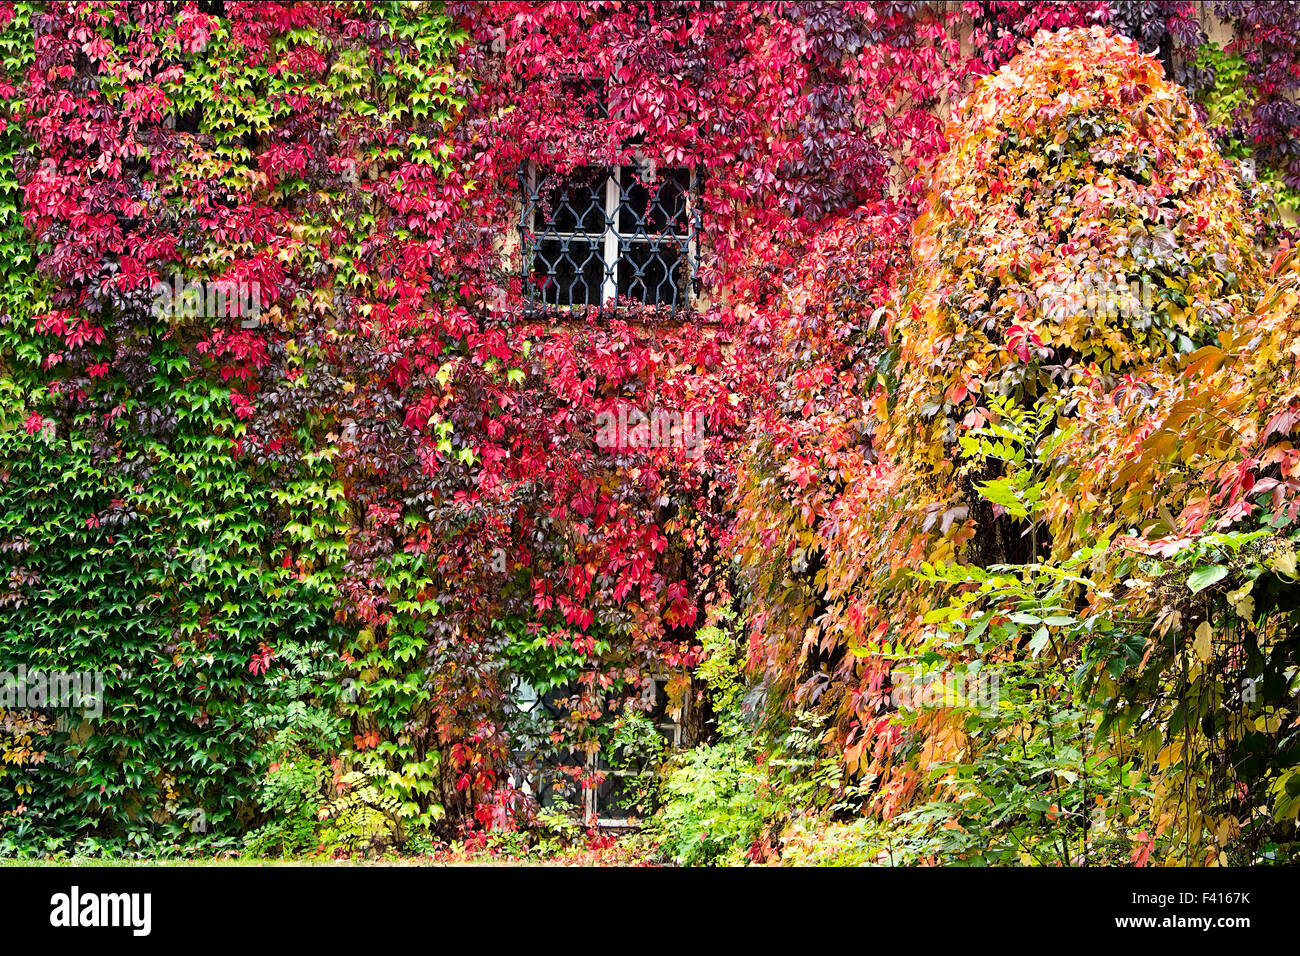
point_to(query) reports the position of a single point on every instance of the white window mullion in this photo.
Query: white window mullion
(692, 250)
(609, 290)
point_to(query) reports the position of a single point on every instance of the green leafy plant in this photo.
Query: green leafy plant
(1026, 780)
(291, 795)
(635, 752)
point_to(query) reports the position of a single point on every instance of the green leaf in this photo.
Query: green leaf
(1203, 577)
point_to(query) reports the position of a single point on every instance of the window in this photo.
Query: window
(602, 236)
(549, 775)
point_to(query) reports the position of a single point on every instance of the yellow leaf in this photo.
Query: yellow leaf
(1242, 602)
(1202, 646)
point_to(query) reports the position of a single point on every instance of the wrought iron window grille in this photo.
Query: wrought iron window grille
(609, 237)
(549, 779)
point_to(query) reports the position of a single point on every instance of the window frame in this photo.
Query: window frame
(614, 244)
(590, 801)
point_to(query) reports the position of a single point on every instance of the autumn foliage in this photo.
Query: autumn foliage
(320, 542)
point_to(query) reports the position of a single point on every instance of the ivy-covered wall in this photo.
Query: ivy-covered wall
(314, 521)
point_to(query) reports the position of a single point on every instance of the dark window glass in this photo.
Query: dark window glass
(573, 204)
(651, 207)
(601, 236)
(568, 271)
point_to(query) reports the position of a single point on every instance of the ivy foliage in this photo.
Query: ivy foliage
(1011, 392)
